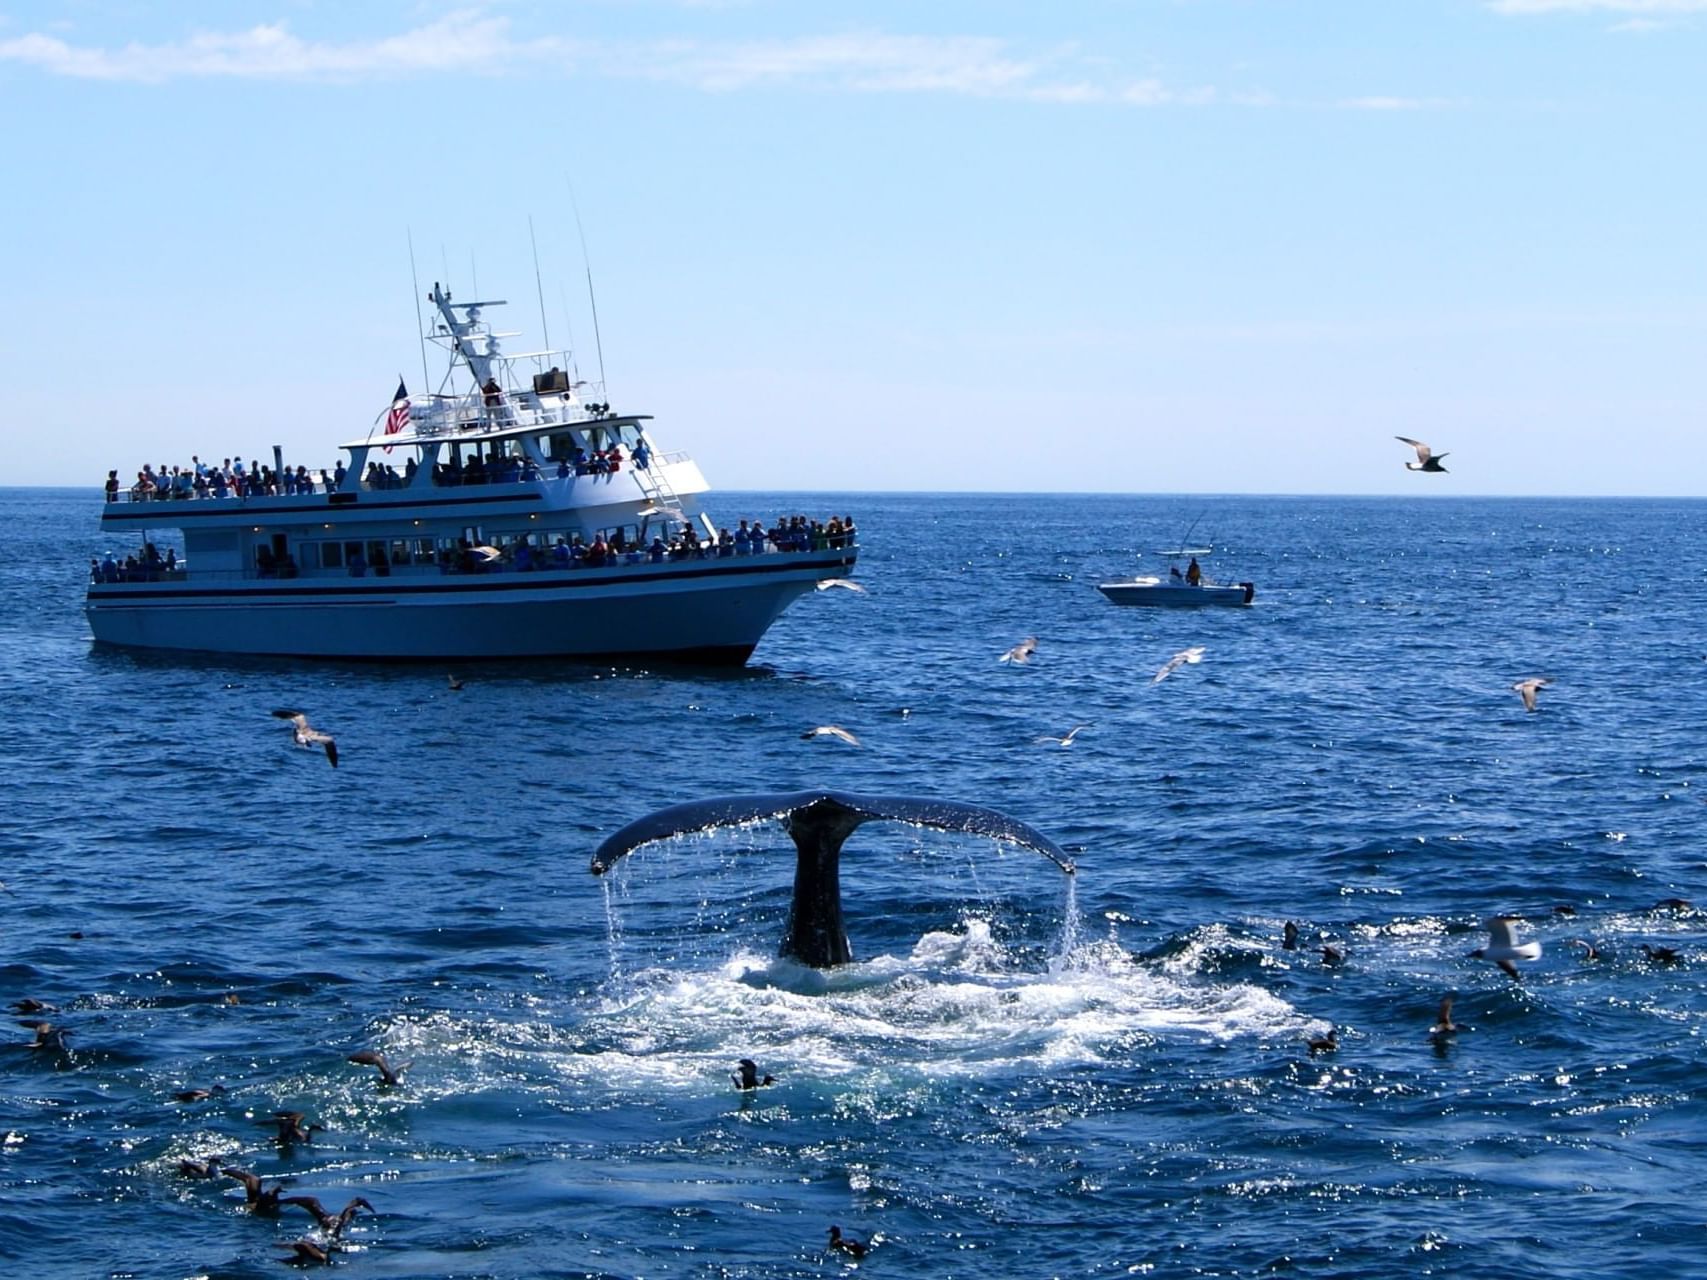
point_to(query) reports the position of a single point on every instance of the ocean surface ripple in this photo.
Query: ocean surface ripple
(1023, 1074)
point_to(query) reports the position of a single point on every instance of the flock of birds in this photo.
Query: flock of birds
(290, 1129)
(1503, 949)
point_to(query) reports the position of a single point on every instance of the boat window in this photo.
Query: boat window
(400, 551)
(424, 551)
(331, 555)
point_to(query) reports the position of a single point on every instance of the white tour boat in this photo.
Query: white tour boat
(527, 520)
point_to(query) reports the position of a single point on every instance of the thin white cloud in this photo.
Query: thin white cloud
(461, 41)
(470, 42)
(1384, 103)
(1651, 7)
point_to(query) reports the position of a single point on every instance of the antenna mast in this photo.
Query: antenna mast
(420, 329)
(539, 288)
(592, 301)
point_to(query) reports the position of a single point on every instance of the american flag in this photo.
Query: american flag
(397, 417)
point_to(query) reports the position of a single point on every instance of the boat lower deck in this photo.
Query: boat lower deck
(713, 610)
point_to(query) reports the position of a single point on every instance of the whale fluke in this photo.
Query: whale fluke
(819, 822)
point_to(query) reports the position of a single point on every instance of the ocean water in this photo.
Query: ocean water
(1023, 1074)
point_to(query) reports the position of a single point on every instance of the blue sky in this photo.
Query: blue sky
(1114, 245)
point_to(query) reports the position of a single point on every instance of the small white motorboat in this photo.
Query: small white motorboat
(1176, 593)
(1188, 590)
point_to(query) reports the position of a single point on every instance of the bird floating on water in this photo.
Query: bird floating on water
(1329, 1043)
(1066, 741)
(208, 1168)
(847, 1244)
(1503, 947)
(453, 682)
(1021, 652)
(1673, 904)
(1289, 937)
(260, 1199)
(388, 1074)
(1589, 950)
(1443, 1023)
(747, 1078)
(28, 1005)
(1184, 657)
(332, 1224)
(306, 735)
(197, 1095)
(1660, 955)
(305, 1253)
(847, 584)
(1332, 956)
(48, 1036)
(290, 1127)
(832, 731)
(1527, 689)
(1427, 459)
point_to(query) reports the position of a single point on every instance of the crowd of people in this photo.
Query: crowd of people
(150, 566)
(230, 479)
(573, 551)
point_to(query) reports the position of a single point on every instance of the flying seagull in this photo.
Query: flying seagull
(1503, 947)
(1427, 459)
(1192, 655)
(306, 735)
(1066, 741)
(832, 731)
(847, 584)
(1527, 689)
(388, 1074)
(1021, 652)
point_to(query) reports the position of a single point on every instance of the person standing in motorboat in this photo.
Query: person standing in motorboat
(1193, 574)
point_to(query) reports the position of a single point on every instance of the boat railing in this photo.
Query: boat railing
(623, 563)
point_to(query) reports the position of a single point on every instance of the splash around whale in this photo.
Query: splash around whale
(819, 822)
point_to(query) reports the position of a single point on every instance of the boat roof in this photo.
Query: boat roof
(480, 433)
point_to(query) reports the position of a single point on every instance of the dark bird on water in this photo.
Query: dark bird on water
(1589, 950)
(208, 1168)
(847, 1244)
(1443, 1023)
(306, 735)
(290, 1127)
(197, 1095)
(261, 1200)
(1660, 955)
(1289, 937)
(1427, 459)
(1673, 904)
(1329, 1043)
(48, 1036)
(388, 1074)
(1332, 956)
(305, 1253)
(27, 1005)
(748, 1077)
(332, 1224)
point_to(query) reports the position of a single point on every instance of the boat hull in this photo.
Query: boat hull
(1156, 594)
(714, 611)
